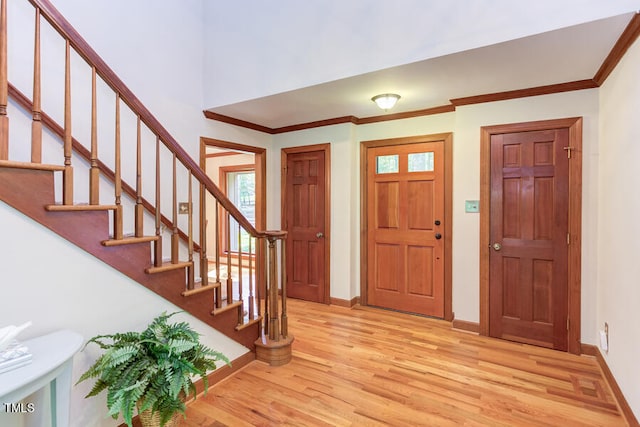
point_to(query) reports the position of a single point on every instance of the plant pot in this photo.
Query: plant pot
(153, 420)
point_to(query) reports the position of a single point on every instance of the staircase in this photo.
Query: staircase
(172, 261)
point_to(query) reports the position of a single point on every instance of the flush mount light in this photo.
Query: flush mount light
(386, 101)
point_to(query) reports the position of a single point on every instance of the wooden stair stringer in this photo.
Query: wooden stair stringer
(29, 190)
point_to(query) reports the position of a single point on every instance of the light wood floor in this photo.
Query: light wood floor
(370, 367)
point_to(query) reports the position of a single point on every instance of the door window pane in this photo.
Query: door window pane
(387, 164)
(421, 162)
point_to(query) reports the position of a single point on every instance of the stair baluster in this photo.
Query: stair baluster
(228, 249)
(36, 124)
(240, 260)
(175, 238)
(118, 233)
(139, 209)
(204, 262)
(218, 298)
(67, 190)
(94, 173)
(157, 247)
(251, 282)
(190, 272)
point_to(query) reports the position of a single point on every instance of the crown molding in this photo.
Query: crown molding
(237, 122)
(524, 93)
(626, 39)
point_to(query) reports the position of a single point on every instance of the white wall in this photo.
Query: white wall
(618, 227)
(56, 285)
(156, 49)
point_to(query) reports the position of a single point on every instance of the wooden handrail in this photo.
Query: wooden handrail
(22, 100)
(64, 28)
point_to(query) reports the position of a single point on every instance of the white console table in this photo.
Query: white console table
(51, 365)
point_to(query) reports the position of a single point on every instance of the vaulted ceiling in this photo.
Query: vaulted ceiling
(565, 55)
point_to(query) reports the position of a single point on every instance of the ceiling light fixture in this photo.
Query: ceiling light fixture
(386, 101)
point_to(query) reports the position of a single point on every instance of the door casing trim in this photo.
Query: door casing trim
(447, 139)
(327, 203)
(574, 124)
(260, 166)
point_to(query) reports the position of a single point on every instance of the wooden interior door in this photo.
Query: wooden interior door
(405, 217)
(304, 220)
(529, 237)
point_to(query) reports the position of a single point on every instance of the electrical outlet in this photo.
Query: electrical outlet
(604, 338)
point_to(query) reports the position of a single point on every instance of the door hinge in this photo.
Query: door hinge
(568, 239)
(568, 149)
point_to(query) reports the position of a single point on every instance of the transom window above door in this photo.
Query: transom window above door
(411, 162)
(387, 164)
(421, 162)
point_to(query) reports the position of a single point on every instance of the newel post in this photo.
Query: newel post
(274, 345)
(274, 326)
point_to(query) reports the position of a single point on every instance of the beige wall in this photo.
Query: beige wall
(618, 246)
(465, 125)
(610, 202)
(469, 120)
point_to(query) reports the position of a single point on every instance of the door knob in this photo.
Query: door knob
(437, 222)
(497, 246)
(319, 235)
(438, 236)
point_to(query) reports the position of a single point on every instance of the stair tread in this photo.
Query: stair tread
(28, 165)
(79, 207)
(129, 240)
(226, 307)
(248, 323)
(199, 289)
(167, 266)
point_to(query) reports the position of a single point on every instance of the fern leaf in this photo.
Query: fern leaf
(180, 346)
(97, 388)
(122, 355)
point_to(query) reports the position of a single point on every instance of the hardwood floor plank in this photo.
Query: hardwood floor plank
(370, 367)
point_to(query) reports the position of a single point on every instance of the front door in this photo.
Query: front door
(304, 220)
(529, 237)
(405, 217)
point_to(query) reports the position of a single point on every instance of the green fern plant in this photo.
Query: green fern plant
(152, 369)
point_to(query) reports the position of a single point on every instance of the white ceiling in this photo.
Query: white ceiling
(564, 55)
